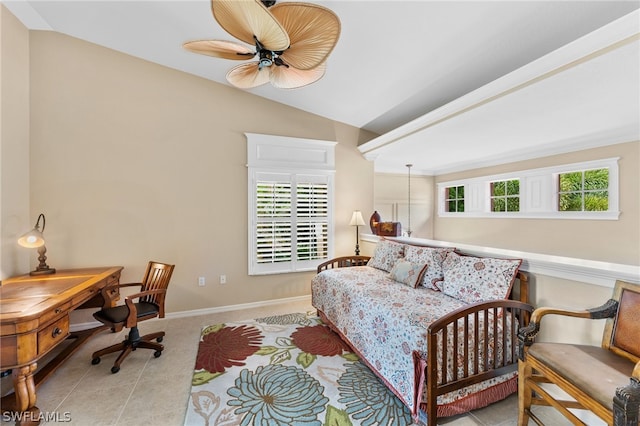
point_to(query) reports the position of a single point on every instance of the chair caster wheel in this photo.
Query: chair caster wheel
(159, 339)
(115, 369)
(95, 361)
(157, 354)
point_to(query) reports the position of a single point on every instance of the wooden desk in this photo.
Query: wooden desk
(34, 319)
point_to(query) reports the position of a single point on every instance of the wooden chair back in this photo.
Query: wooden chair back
(156, 277)
(622, 331)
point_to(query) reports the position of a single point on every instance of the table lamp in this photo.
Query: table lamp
(33, 239)
(357, 221)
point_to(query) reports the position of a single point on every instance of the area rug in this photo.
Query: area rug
(285, 370)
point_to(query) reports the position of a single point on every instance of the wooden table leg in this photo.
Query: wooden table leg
(21, 405)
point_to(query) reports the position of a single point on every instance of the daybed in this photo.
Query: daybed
(393, 309)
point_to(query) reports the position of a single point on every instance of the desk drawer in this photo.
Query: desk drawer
(54, 313)
(53, 334)
(95, 300)
(85, 296)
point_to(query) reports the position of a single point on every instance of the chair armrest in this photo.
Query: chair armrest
(132, 318)
(344, 261)
(526, 335)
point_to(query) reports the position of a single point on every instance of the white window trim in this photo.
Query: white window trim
(538, 193)
(297, 157)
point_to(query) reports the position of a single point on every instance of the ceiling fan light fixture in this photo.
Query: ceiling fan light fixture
(296, 37)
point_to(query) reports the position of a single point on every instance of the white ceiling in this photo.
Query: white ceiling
(398, 61)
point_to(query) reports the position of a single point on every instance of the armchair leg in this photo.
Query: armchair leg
(524, 392)
(626, 404)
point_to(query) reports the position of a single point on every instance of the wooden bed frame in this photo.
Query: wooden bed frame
(517, 311)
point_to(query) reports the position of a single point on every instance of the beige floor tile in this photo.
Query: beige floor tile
(498, 412)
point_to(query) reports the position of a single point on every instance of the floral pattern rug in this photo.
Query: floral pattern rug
(285, 370)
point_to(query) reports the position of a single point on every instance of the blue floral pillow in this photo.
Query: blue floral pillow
(407, 273)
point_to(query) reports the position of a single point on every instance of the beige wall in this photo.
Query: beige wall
(604, 240)
(14, 144)
(391, 193)
(132, 161)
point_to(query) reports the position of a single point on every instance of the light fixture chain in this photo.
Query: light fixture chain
(409, 200)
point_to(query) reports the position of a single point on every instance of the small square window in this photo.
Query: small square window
(505, 196)
(454, 201)
(585, 190)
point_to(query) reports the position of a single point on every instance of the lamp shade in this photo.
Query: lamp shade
(356, 219)
(31, 239)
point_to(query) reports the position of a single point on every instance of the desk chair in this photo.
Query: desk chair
(603, 379)
(150, 305)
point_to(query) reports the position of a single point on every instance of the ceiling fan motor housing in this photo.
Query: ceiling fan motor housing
(266, 58)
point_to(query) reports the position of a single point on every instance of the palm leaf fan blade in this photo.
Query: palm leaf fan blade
(247, 76)
(292, 78)
(313, 31)
(245, 19)
(219, 49)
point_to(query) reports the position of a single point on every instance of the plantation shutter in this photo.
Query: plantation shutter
(312, 220)
(273, 220)
(290, 204)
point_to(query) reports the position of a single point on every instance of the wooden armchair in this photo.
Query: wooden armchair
(604, 380)
(150, 305)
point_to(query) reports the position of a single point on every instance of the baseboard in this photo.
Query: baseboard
(205, 311)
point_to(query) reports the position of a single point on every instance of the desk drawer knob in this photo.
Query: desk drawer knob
(58, 310)
(56, 332)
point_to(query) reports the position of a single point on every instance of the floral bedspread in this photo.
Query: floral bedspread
(386, 322)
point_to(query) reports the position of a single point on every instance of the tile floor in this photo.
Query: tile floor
(154, 391)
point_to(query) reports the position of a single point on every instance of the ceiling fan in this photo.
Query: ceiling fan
(292, 41)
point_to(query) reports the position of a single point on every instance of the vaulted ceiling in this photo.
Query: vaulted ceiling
(397, 62)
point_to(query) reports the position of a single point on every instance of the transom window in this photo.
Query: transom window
(505, 196)
(454, 201)
(584, 190)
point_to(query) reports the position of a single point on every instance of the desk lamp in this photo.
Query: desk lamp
(357, 221)
(33, 239)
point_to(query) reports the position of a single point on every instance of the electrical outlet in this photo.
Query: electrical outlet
(223, 279)
(201, 282)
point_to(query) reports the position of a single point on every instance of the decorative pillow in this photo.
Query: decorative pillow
(475, 279)
(407, 273)
(432, 257)
(386, 254)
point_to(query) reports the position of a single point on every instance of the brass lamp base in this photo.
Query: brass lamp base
(43, 271)
(43, 268)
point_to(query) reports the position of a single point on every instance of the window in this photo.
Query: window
(290, 203)
(454, 201)
(585, 190)
(505, 196)
(286, 203)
